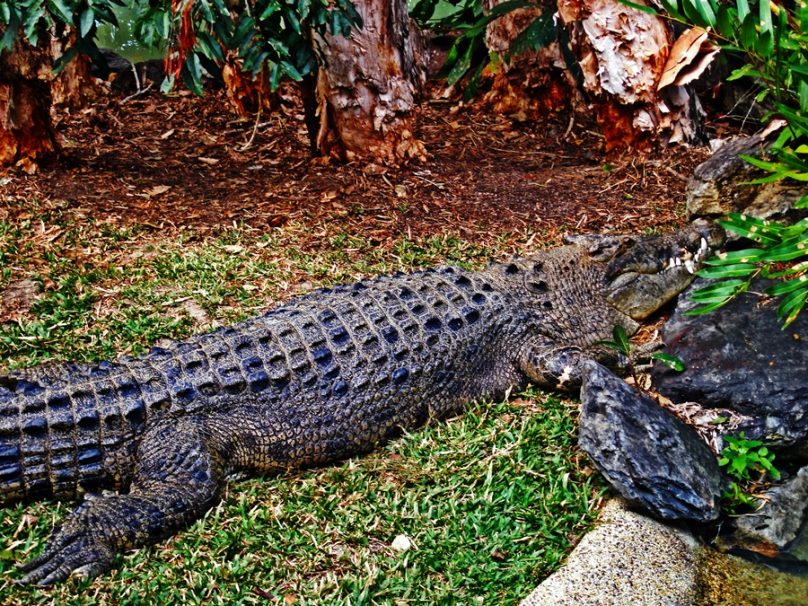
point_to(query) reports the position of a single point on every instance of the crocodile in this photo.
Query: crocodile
(150, 441)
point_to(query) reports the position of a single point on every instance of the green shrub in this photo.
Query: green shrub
(774, 43)
(781, 254)
(466, 21)
(272, 35)
(746, 461)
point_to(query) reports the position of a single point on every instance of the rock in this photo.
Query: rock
(632, 560)
(738, 357)
(780, 527)
(652, 458)
(720, 184)
(628, 559)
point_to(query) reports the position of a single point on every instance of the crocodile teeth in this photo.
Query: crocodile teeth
(690, 267)
(702, 251)
(677, 261)
(671, 263)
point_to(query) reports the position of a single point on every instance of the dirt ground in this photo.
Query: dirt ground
(188, 162)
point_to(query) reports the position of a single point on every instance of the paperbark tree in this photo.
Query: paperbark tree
(535, 83)
(368, 85)
(632, 74)
(30, 93)
(623, 54)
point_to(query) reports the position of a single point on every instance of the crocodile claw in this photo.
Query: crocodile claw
(68, 553)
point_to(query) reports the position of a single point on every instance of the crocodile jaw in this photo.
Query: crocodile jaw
(658, 268)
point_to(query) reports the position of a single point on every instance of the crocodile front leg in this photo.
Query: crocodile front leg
(178, 476)
(559, 367)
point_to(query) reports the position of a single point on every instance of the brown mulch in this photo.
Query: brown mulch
(187, 162)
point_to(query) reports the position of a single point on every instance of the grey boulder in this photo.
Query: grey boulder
(781, 523)
(738, 357)
(649, 456)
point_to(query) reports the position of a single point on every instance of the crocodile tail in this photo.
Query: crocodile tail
(10, 455)
(51, 442)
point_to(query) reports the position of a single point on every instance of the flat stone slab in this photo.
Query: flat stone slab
(627, 560)
(632, 560)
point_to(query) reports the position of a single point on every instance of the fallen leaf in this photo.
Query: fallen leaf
(196, 312)
(157, 190)
(16, 300)
(208, 161)
(689, 57)
(28, 166)
(167, 134)
(233, 249)
(374, 169)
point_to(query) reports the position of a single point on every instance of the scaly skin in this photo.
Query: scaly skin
(326, 376)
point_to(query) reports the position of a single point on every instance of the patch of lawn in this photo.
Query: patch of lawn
(488, 503)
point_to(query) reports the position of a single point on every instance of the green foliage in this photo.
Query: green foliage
(773, 40)
(122, 38)
(781, 254)
(466, 20)
(272, 35)
(33, 18)
(746, 461)
(619, 342)
(622, 345)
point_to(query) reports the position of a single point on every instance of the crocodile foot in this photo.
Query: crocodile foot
(70, 551)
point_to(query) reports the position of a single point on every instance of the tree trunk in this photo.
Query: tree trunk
(367, 87)
(29, 94)
(533, 84)
(622, 54)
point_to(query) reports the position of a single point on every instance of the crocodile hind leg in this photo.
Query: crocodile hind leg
(178, 475)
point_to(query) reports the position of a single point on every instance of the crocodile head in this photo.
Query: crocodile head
(642, 274)
(655, 269)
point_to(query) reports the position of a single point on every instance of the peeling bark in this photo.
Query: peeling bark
(623, 54)
(532, 84)
(633, 77)
(30, 94)
(246, 93)
(368, 85)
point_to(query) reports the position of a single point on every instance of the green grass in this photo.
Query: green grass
(490, 501)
